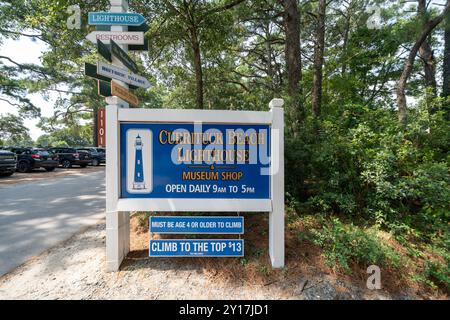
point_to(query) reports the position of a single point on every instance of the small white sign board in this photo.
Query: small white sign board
(111, 71)
(119, 37)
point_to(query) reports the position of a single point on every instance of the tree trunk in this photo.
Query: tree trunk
(318, 59)
(446, 62)
(426, 53)
(95, 127)
(401, 87)
(446, 68)
(348, 18)
(197, 67)
(293, 56)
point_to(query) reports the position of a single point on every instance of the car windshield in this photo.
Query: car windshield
(43, 153)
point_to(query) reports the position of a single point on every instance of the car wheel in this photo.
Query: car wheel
(66, 164)
(23, 167)
(95, 162)
(50, 169)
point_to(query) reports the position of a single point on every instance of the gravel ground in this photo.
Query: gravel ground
(75, 270)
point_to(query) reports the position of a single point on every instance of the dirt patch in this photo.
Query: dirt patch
(41, 174)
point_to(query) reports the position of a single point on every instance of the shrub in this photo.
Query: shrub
(346, 243)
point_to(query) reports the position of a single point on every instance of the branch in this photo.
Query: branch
(25, 66)
(10, 103)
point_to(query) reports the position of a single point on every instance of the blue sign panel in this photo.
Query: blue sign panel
(195, 161)
(196, 248)
(109, 18)
(188, 225)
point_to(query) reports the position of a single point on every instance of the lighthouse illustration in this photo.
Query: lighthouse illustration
(138, 182)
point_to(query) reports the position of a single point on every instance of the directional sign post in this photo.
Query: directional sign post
(116, 19)
(108, 70)
(104, 89)
(123, 93)
(103, 50)
(90, 70)
(142, 28)
(117, 51)
(132, 38)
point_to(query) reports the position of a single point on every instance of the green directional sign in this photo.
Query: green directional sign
(139, 47)
(104, 50)
(90, 70)
(143, 27)
(104, 89)
(117, 51)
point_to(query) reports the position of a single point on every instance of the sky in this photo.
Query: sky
(24, 50)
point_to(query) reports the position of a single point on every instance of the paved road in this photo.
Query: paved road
(35, 216)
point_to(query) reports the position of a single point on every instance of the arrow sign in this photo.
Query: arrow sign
(124, 94)
(90, 70)
(120, 74)
(134, 38)
(114, 19)
(104, 50)
(104, 89)
(142, 28)
(123, 57)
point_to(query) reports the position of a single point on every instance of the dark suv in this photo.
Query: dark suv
(98, 155)
(34, 158)
(69, 157)
(7, 163)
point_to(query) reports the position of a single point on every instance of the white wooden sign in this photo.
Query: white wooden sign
(121, 74)
(120, 37)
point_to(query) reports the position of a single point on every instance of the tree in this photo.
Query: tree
(425, 51)
(318, 58)
(13, 131)
(191, 22)
(293, 56)
(401, 86)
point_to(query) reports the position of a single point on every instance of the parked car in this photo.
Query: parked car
(34, 158)
(70, 156)
(98, 155)
(7, 163)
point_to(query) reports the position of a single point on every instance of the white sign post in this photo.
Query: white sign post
(118, 240)
(117, 222)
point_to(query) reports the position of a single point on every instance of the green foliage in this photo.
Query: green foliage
(363, 165)
(13, 132)
(75, 136)
(143, 219)
(346, 243)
